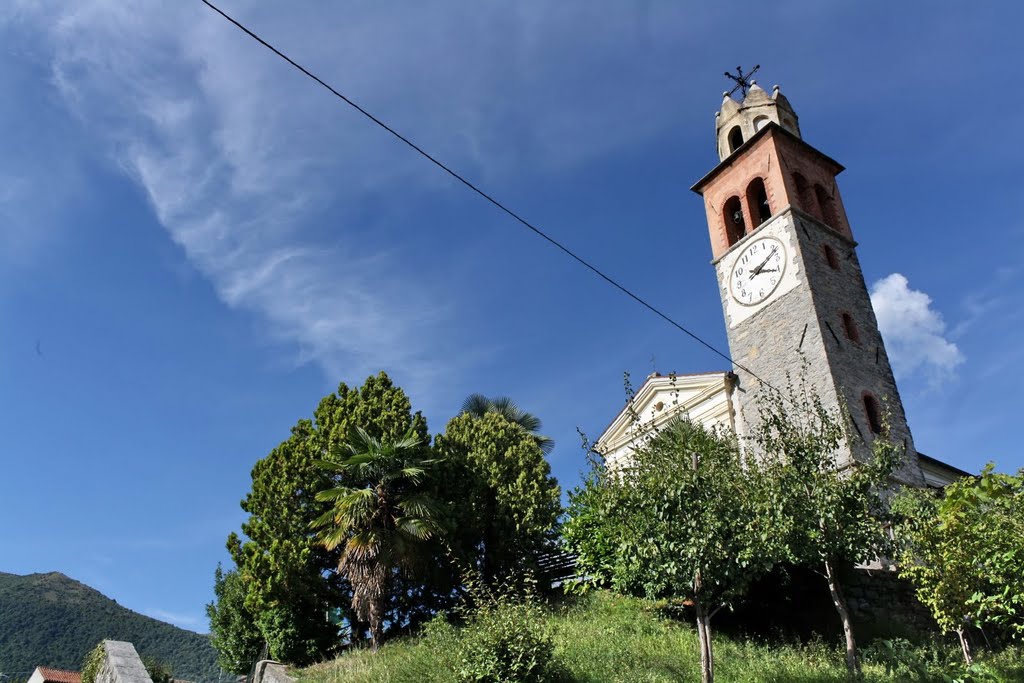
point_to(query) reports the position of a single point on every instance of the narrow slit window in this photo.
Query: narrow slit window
(831, 257)
(850, 328)
(873, 412)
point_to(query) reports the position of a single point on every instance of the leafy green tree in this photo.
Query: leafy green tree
(504, 503)
(963, 550)
(479, 405)
(233, 629)
(685, 517)
(379, 516)
(836, 514)
(289, 577)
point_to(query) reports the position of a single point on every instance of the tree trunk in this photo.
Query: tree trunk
(707, 656)
(839, 600)
(376, 621)
(965, 646)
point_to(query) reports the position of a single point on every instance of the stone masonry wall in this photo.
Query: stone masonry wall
(122, 664)
(887, 605)
(801, 333)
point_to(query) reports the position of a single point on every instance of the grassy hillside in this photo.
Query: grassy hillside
(51, 620)
(610, 639)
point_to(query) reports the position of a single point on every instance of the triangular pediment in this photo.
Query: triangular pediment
(705, 398)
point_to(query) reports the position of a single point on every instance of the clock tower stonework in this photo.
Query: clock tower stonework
(792, 291)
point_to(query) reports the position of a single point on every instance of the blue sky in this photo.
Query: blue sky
(196, 244)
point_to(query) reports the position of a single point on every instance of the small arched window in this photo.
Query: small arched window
(732, 216)
(827, 206)
(735, 138)
(760, 122)
(873, 412)
(831, 256)
(757, 201)
(850, 328)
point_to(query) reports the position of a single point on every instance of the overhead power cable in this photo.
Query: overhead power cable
(515, 216)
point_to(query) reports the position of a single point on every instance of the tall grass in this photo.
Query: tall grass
(605, 638)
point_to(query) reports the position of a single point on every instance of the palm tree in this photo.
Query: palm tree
(479, 405)
(380, 521)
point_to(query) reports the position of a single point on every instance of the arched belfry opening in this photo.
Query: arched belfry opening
(827, 207)
(757, 201)
(732, 216)
(735, 139)
(804, 194)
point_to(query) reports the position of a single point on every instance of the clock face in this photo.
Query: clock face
(757, 271)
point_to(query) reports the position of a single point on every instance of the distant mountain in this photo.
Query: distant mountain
(51, 620)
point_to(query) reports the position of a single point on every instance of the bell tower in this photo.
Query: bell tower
(792, 290)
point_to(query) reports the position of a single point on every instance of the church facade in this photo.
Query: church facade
(793, 295)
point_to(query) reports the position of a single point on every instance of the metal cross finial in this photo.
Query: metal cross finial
(742, 80)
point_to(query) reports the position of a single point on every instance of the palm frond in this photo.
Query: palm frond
(418, 505)
(337, 493)
(407, 441)
(476, 405)
(418, 528)
(546, 443)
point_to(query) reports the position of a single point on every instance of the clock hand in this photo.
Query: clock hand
(757, 270)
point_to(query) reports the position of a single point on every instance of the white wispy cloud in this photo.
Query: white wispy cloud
(915, 333)
(186, 621)
(262, 178)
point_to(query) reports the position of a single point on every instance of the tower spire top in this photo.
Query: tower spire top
(742, 80)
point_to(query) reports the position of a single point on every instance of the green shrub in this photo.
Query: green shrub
(506, 641)
(157, 670)
(93, 663)
(926, 664)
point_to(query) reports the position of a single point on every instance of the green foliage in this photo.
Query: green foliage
(927, 664)
(593, 531)
(685, 517)
(233, 628)
(380, 516)
(289, 577)
(93, 662)
(964, 551)
(506, 641)
(157, 670)
(51, 620)
(606, 638)
(504, 501)
(834, 510)
(479, 405)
